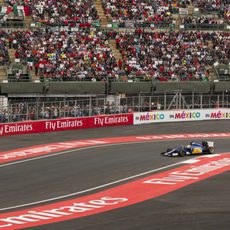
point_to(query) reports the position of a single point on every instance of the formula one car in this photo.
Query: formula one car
(194, 148)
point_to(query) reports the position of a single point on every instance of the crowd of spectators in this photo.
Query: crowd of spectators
(203, 23)
(202, 20)
(154, 11)
(171, 56)
(85, 55)
(80, 53)
(160, 13)
(209, 12)
(55, 12)
(227, 13)
(210, 5)
(66, 55)
(219, 7)
(30, 111)
(70, 12)
(64, 12)
(36, 110)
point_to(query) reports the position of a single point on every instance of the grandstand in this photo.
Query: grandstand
(90, 48)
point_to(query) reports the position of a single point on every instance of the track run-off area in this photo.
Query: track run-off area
(111, 179)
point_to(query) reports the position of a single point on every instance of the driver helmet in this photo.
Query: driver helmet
(204, 143)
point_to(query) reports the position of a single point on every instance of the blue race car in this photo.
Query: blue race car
(194, 148)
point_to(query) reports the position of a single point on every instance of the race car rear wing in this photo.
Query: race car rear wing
(210, 143)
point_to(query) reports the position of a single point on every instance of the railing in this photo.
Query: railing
(203, 26)
(13, 22)
(91, 106)
(132, 24)
(62, 26)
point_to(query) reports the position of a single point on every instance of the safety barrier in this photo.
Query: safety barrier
(204, 87)
(42, 126)
(130, 88)
(222, 86)
(78, 87)
(18, 24)
(21, 88)
(180, 115)
(203, 26)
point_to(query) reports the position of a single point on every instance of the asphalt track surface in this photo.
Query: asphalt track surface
(204, 205)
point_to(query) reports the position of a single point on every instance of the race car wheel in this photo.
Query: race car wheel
(182, 153)
(211, 150)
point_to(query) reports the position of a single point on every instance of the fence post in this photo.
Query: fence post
(223, 99)
(10, 116)
(201, 101)
(209, 102)
(75, 108)
(60, 109)
(90, 105)
(37, 106)
(64, 107)
(139, 102)
(150, 103)
(27, 112)
(180, 99)
(227, 101)
(43, 110)
(192, 100)
(104, 105)
(165, 101)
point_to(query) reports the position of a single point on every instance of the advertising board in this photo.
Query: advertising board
(28, 127)
(181, 115)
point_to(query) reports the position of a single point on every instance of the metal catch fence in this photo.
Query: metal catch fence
(77, 107)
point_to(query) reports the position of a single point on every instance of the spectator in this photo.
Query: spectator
(173, 56)
(64, 56)
(4, 56)
(139, 12)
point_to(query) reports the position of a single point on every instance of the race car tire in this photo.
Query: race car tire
(182, 153)
(211, 150)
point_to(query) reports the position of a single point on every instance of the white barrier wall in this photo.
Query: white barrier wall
(180, 115)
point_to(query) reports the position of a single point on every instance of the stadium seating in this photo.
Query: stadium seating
(66, 46)
(52, 12)
(17, 72)
(172, 56)
(66, 56)
(137, 13)
(59, 47)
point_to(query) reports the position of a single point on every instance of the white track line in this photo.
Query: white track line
(90, 189)
(77, 149)
(90, 147)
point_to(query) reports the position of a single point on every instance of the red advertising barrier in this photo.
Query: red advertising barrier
(29, 127)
